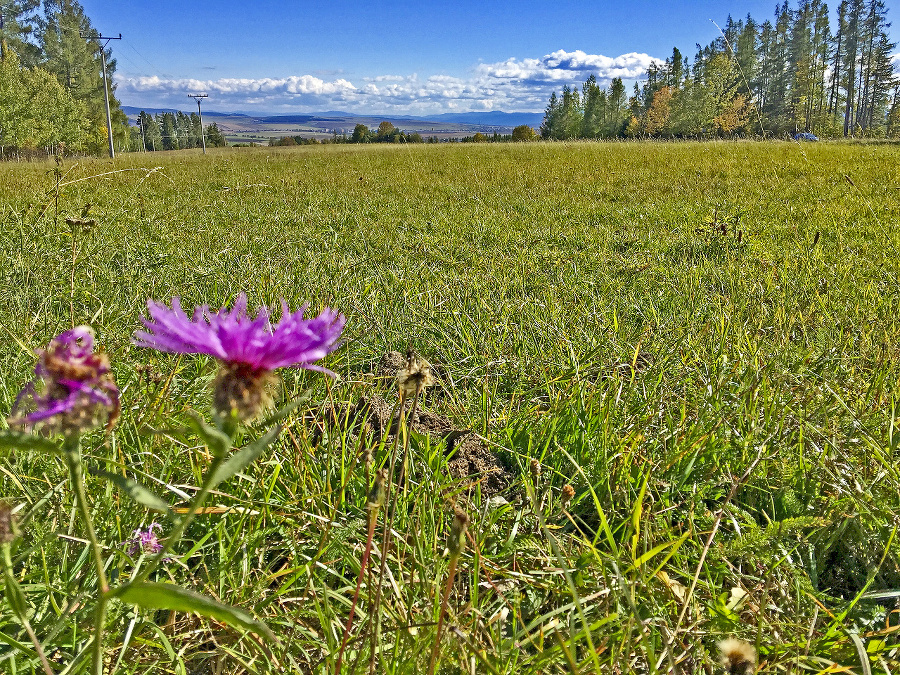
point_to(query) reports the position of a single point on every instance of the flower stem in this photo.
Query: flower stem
(388, 525)
(451, 573)
(177, 532)
(16, 601)
(373, 518)
(529, 489)
(72, 454)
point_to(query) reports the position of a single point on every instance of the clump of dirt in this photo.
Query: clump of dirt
(389, 365)
(470, 457)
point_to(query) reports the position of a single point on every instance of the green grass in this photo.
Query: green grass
(753, 286)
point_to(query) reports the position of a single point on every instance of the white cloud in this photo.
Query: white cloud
(295, 85)
(562, 66)
(511, 85)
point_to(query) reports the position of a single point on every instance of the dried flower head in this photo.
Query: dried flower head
(415, 376)
(73, 389)
(737, 657)
(248, 348)
(457, 540)
(377, 493)
(7, 526)
(568, 492)
(145, 541)
(535, 468)
(81, 224)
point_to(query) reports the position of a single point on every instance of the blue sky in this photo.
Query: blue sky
(402, 57)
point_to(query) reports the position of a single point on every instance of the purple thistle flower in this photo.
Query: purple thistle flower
(249, 348)
(145, 541)
(77, 390)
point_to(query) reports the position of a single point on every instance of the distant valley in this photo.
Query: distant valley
(259, 127)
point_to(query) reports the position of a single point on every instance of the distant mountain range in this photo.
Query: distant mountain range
(475, 121)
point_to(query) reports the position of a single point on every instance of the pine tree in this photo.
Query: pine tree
(17, 19)
(76, 63)
(551, 125)
(152, 135)
(745, 52)
(169, 135)
(874, 67)
(196, 131)
(617, 107)
(834, 101)
(594, 109)
(893, 117)
(214, 137)
(183, 130)
(850, 61)
(795, 73)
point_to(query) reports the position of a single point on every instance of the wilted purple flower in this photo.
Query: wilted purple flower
(249, 348)
(145, 541)
(73, 389)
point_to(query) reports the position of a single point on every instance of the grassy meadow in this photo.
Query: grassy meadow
(702, 339)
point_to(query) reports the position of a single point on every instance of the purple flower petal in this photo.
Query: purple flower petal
(234, 337)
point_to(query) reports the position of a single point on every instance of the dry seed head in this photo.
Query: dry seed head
(457, 541)
(535, 468)
(737, 657)
(243, 389)
(415, 376)
(7, 528)
(568, 492)
(81, 224)
(376, 494)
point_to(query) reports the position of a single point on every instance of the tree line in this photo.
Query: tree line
(174, 131)
(51, 81)
(794, 74)
(51, 88)
(388, 133)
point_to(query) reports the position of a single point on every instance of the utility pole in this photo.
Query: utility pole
(112, 152)
(202, 135)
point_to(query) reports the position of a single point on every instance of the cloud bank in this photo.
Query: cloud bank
(514, 84)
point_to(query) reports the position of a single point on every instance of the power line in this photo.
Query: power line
(98, 37)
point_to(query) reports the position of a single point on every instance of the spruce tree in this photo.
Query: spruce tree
(169, 134)
(73, 56)
(17, 20)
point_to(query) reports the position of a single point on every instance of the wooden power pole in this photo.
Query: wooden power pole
(112, 151)
(198, 97)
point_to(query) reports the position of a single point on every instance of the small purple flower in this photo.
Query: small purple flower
(248, 348)
(73, 389)
(145, 541)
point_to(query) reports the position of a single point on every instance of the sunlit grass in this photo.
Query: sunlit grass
(648, 321)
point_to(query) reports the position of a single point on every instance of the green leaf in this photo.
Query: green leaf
(21, 646)
(880, 595)
(16, 440)
(152, 595)
(142, 495)
(14, 595)
(216, 440)
(861, 652)
(243, 457)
